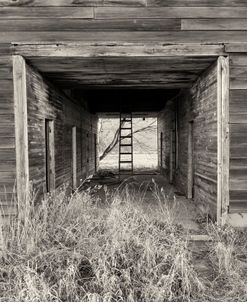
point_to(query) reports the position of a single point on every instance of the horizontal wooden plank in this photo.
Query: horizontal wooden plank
(170, 12)
(46, 12)
(238, 117)
(7, 142)
(211, 37)
(238, 72)
(238, 96)
(121, 65)
(164, 3)
(199, 3)
(161, 80)
(90, 25)
(238, 174)
(238, 163)
(238, 195)
(238, 207)
(237, 129)
(237, 184)
(72, 2)
(116, 49)
(236, 47)
(238, 60)
(214, 24)
(238, 84)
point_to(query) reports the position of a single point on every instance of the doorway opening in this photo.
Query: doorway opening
(189, 84)
(145, 153)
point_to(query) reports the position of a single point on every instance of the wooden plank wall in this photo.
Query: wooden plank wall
(7, 137)
(166, 125)
(199, 104)
(204, 115)
(47, 102)
(123, 20)
(238, 133)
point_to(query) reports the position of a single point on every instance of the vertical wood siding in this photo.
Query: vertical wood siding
(47, 102)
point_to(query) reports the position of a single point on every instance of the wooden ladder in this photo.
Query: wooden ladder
(126, 144)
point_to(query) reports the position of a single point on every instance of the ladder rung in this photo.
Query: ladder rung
(125, 136)
(125, 145)
(125, 162)
(129, 128)
(126, 153)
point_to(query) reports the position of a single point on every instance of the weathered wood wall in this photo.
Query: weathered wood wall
(238, 133)
(167, 21)
(47, 102)
(7, 137)
(204, 114)
(125, 20)
(199, 104)
(166, 125)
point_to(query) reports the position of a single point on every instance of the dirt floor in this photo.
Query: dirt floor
(151, 190)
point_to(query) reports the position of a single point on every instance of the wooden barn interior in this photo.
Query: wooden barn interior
(65, 96)
(64, 61)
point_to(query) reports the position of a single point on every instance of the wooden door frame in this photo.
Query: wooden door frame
(74, 157)
(121, 49)
(21, 128)
(50, 155)
(190, 171)
(223, 140)
(161, 141)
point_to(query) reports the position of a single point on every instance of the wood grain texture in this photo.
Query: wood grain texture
(201, 100)
(116, 49)
(214, 24)
(159, 3)
(45, 101)
(238, 128)
(177, 37)
(121, 65)
(238, 107)
(46, 12)
(130, 71)
(21, 132)
(170, 12)
(236, 47)
(20, 3)
(199, 3)
(79, 25)
(222, 139)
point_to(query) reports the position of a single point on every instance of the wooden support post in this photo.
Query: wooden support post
(74, 158)
(21, 128)
(222, 139)
(190, 171)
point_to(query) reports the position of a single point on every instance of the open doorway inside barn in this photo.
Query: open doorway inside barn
(145, 153)
(183, 98)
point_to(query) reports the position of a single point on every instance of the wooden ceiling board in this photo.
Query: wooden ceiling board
(121, 71)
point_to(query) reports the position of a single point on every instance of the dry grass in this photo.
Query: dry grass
(72, 249)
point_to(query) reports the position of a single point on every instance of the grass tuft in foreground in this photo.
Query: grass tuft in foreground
(71, 249)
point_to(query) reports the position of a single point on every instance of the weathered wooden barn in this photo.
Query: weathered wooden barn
(187, 60)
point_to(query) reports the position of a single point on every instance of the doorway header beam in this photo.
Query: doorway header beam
(115, 49)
